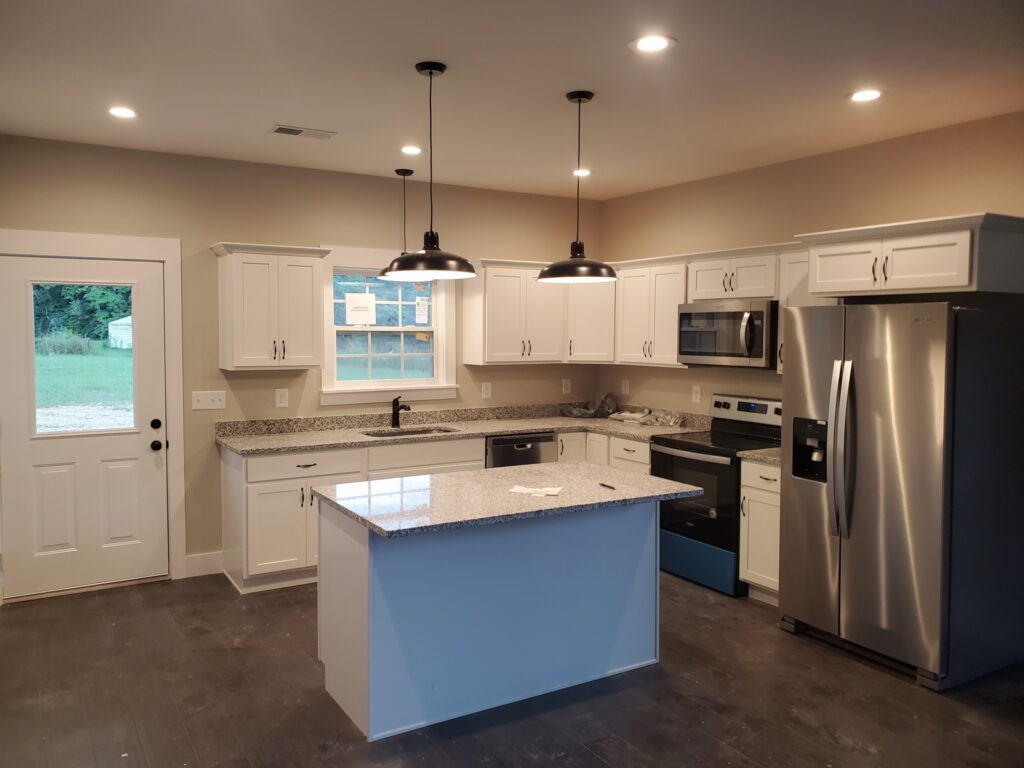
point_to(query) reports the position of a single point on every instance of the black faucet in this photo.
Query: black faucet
(397, 408)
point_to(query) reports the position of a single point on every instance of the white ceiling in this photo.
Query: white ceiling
(751, 82)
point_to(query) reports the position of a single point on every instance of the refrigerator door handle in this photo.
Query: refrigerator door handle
(830, 433)
(842, 494)
(745, 332)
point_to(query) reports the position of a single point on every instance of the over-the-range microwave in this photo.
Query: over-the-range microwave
(734, 332)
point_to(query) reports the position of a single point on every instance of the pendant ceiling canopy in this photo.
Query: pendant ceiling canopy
(430, 263)
(577, 268)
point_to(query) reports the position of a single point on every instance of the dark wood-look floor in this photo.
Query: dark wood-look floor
(189, 673)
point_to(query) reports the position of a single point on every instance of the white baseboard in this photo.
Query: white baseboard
(202, 564)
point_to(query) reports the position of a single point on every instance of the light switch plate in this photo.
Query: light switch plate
(695, 393)
(566, 386)
(625, 386)
(281, 397)
(214, 400)
(485, 390)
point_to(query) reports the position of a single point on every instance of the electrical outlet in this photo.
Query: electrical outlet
(566, 386)
(485, 390)
(281, 397)
(695, 393)
(625, 386)
(215, 400)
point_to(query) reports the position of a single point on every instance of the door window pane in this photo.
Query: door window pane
(83, 357)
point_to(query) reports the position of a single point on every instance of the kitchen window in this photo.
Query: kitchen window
(385, 338)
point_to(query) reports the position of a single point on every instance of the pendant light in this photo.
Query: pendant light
(577, 268)
(431, 263)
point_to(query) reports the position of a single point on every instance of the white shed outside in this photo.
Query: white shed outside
(119, 333)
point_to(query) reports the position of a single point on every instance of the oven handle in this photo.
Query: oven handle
(708, 458)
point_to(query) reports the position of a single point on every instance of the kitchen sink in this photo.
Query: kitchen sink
(396, 431)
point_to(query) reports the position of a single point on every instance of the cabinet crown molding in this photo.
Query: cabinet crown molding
(973, 221)
(226, 249)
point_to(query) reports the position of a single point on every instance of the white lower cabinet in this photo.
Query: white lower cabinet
(597, 448)
(759, 524)
(276, 527)
(630, 455)
(572, 446)
(429, 458)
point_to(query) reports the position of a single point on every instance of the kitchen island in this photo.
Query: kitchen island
(443, 595)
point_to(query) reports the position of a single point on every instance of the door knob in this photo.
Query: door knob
(156, 445)
(156, 423)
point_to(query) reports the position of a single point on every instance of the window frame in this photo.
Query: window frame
(370, 261)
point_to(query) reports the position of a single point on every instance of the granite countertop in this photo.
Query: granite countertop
(423, 503)
(254, 445)
(771, 456)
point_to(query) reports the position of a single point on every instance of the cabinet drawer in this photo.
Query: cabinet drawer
(426, 454)
(629, 450)
(763, 476)
(630, 466)
(307, 464)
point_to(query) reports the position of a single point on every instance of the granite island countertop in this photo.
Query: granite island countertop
(425, 503)
(327, 439)
(771, 456)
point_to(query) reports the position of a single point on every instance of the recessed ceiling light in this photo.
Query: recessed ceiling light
(581, 172)
(653, 43)
(868, 94)
(122, 112)
(411, 150)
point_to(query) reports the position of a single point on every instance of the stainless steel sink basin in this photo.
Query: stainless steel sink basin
(397, 431)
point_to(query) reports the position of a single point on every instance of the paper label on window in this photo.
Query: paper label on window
(422, 310)
(360, 309)
(422, 337)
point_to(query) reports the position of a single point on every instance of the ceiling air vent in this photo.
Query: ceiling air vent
(306, 133)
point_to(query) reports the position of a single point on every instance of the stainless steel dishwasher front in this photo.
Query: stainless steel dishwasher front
(513, 450)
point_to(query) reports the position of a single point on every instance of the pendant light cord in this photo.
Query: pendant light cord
(430, 143)
(405, 242)
(579, 141)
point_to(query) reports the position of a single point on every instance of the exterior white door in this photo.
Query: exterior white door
(82, 423)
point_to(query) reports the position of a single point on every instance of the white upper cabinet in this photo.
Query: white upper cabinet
(508, 317)
(740, 277)
(647, 314)
(979, 252)
(270, 305)
(590, 323)
(793, 292)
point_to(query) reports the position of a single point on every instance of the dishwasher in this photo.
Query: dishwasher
(513, 450)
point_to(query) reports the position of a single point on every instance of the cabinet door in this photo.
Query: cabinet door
(545, 320)
(840, 268)
(632, 315)
(597, 448)
(254, 309)
(759, 538)
(941, 260)
(572, 446)
(504, 315)
(275, 526)
(591, 322)
(793, 292)
(708, 280)
(668, 291)
(300, 311)
(753, 277)
(312, 511)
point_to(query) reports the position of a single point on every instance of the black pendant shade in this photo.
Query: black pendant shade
(577, 268)
(431, 263)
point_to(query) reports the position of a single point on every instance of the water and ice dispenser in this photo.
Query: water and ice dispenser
(810, 450)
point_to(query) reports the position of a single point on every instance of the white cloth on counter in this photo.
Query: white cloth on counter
(535, 491)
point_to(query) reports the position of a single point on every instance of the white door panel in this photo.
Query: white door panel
(255, 311)
(632, 311)
(545, 320)
(504, 315)
(668, 291)
(299, 310)
(591, 315)
(84, 493)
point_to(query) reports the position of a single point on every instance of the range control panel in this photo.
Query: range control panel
(752, 409)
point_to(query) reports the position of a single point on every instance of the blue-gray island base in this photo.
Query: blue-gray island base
(484, 597)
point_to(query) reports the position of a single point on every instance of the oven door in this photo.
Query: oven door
(734, 333)
(712, 518)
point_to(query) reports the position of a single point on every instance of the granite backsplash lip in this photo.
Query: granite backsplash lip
(427, 503)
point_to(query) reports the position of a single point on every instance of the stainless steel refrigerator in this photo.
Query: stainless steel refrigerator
(903, 467)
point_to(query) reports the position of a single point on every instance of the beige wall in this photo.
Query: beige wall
(79, 188)
(965, 168)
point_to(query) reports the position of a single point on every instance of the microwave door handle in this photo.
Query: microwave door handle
(830, 442)
(745, 341)
(841, 460)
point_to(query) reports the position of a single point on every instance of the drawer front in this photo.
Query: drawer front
(426, 454)
(766, 477)
(630, 466)
(629, 450)
(285, 466)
